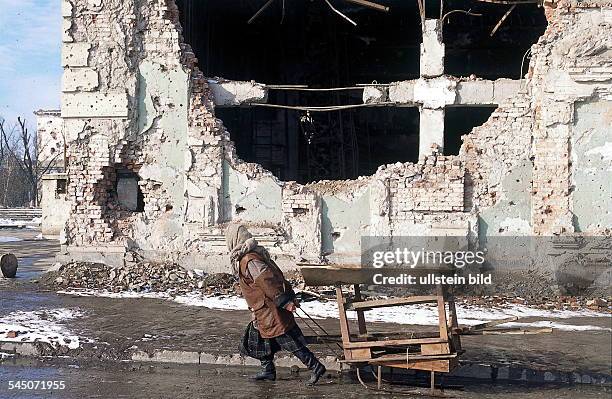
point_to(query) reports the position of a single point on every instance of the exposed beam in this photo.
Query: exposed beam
(369, 4)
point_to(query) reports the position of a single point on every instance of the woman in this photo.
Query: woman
(272, 303)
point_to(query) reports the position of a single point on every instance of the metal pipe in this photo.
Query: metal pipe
(322, 109)
(369, 4)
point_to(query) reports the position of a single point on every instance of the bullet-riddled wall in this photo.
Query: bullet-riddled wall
(135, 103)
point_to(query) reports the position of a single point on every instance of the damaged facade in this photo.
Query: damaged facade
(153, 168)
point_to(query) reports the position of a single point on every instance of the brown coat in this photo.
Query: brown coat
(266, 296)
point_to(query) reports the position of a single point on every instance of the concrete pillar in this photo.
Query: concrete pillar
(432, 49)
(431, 130)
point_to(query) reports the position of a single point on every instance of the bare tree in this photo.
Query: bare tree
(20, 150)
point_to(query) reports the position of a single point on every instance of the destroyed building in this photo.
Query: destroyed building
(318, 123)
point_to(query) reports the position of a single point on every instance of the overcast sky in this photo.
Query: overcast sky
(30, 44)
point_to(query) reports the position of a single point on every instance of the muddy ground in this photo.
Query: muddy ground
(121, 380)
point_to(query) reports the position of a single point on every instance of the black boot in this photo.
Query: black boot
(313, 364)
(267, 373)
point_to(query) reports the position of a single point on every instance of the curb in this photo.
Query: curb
(183, 357)
(467, 370)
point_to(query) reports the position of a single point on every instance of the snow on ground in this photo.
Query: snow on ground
(558, 326)
(20, 223)
(9, 239)
(415, 314)
(41, 326)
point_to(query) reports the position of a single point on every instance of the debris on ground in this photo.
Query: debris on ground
(141, 277)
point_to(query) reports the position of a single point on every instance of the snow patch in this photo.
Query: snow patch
(558, 326)
(41, 326)
(422, 314)
(20, 223)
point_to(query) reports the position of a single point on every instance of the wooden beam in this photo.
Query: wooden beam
(393, 342)
(344, 325)
(399, 358)
(360, 316)
(382, 303)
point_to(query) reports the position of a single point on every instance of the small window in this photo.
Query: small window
(60, 187)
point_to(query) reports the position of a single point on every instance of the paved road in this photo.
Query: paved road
(117, 380)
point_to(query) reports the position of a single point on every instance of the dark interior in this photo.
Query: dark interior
(459, 121)
(470, 48)
(306, 43)
(330, 146)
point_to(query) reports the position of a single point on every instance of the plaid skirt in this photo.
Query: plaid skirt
(253, 345)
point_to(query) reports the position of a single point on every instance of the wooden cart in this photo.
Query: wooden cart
(436, 351)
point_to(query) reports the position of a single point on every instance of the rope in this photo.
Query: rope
(317, 334)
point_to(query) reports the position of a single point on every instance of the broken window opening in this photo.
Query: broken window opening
(324, 146)
(459, 121)
(61, 185)
(470, 47)
(312, 46)
(127, 190)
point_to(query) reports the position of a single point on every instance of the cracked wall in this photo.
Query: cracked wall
(134, 98)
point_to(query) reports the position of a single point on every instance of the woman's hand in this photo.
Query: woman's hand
(291, 307)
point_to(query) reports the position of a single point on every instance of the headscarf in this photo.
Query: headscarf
(239, 243)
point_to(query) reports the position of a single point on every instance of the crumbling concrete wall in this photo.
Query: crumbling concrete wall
(135, 99)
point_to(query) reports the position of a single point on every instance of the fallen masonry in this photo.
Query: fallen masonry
(142, 277)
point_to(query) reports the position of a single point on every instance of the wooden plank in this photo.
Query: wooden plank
(442, 366)
(360, 316)
(377, 336)
(442, 313)
(435, 349)
(393, 358)
(345, 330)
(363, 354)
(382, 303)
(455, 339)
(393, 342)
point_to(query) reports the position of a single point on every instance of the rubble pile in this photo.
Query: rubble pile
(140, 277)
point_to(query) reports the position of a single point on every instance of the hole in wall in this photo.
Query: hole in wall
(310, 44)
(470, 47)
(332, 146)
(127, 190)
(459, 121)
(61, 187)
